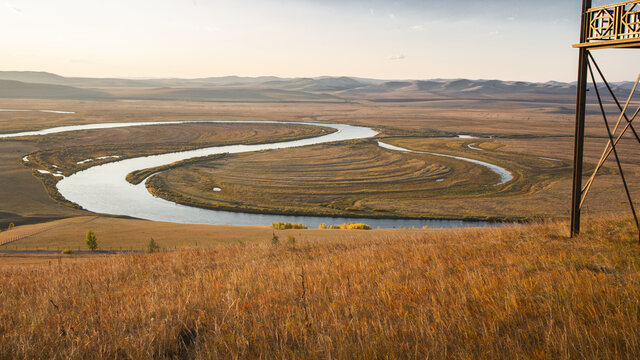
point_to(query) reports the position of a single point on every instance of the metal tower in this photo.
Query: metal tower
(605, 27)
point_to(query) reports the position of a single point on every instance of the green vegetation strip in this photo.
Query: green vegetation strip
(351, 226)
(287, 225)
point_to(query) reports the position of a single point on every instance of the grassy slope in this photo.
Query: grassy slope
(124, 234)
(17, 89)
(526, 292)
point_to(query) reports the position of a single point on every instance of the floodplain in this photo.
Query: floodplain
(532, 140)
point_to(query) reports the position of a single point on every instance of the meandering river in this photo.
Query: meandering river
(505, 175)
(104, 189)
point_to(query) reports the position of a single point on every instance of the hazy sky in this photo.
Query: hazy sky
(411, 39)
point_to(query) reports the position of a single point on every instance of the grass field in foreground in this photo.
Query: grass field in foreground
(524, 292)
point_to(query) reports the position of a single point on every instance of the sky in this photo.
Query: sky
(384, 39)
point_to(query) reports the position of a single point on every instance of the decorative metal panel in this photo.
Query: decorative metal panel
(614, 22)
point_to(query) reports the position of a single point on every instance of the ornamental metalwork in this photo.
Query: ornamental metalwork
(614, 22)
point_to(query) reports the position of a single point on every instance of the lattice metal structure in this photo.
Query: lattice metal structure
(619, 22)
(604, 27)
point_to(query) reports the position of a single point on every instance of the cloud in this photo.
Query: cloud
(392, 16)
(417, 28)
(12, 8)
(397, 57)
(511, 18)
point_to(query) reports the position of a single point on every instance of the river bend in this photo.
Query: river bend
(104, 189)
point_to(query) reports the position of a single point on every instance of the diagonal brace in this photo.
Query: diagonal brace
(613, 147)
(608, 149)
(613, 95)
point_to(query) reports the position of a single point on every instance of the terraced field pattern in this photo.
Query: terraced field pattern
(358, 178)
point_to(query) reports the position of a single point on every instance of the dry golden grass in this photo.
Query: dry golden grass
(124, 234)
(118, 234)
(30, 260)
(525, 292)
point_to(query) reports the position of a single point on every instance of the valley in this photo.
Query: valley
(526, 138)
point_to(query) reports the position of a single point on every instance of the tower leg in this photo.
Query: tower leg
(578, 148)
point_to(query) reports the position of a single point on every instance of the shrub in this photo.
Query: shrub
(358, 226)
(287, 225)
(92, 241)
(291, 239)
(351, 226)
(11, 226)
(322, 226)
(275, 240)
(67, 252)
(153, 246)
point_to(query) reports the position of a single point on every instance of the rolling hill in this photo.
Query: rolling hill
(17, 89)
(224, 93)
(17, 84)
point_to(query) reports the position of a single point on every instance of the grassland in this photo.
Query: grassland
(523, 292)
(124, 234)
(362, 179)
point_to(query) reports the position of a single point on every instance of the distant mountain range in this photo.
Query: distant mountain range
(18, 89)
(29, 84)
